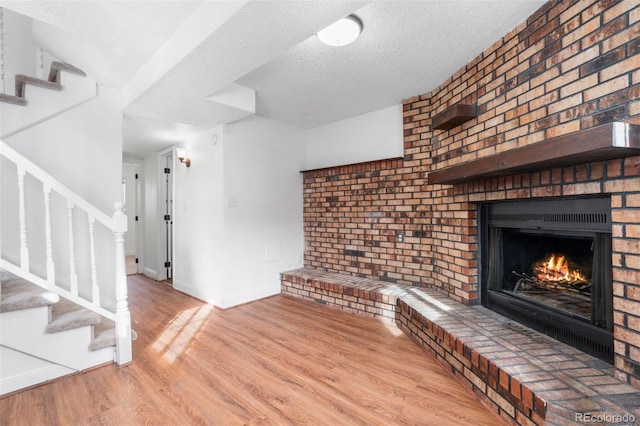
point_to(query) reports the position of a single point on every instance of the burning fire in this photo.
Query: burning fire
(556, 268)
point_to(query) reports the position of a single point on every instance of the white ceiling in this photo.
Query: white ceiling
(110, 40)
(406, 48)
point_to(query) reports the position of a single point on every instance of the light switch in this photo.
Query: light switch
(232, 201)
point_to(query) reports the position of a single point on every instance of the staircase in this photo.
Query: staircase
(63, 286)
(81, 337)
(52, 83)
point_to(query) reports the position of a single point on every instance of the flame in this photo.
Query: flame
(556, 268)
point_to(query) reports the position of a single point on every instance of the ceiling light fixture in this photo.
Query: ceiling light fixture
(341, 33)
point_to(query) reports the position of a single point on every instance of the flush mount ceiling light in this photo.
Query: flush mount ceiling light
(341, 33)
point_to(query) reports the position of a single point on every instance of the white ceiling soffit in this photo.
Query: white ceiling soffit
(406, 48)
(256, 33)
(110, 40)
(145, 135)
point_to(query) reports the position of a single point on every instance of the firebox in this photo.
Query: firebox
(547, 264)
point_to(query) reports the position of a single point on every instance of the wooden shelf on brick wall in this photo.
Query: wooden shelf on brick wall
(454, 116)
(606, 142)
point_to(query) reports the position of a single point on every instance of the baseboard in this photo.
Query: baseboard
(253, 295)
(194, 292)
(33, 378)
(150, 273)
(228, 301)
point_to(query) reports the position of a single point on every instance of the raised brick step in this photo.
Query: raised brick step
(524, 376)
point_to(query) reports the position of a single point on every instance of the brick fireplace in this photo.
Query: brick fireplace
(571, 67)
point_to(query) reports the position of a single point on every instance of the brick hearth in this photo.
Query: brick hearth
(523, 376)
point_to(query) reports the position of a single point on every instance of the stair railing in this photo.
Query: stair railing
(117, 224)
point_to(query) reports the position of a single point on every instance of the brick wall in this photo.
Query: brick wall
(571, 66)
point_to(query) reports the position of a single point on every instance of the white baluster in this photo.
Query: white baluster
(73, 274)
(123, 317)
(51, 275)
(24, 249)
(95, 290)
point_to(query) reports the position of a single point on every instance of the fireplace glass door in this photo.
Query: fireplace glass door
(547, 264)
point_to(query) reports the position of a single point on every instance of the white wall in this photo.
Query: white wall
(17, 41)
(19, 370)
(238, 211)
(82, 148)
(373, 136)
(199, 254)
(264, 230)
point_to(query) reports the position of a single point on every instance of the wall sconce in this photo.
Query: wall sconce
(182, 156)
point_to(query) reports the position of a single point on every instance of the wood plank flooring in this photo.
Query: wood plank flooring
(277, 361)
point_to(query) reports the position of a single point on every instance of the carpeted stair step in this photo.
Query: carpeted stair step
(16, 294)
(15, 100)
(22, 80)
(104, 335)
(66, 315)
(52, 82)
(56, 67)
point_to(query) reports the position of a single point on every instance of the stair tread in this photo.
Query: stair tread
(15, 285)
(105, 335)
(22, 80)
(56, 67)
(15, 100)
(16, 294)
(66, 315)
(65, 306)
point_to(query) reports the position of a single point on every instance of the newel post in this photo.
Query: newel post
(123, 317)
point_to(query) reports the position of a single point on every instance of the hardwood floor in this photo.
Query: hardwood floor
(276, 361)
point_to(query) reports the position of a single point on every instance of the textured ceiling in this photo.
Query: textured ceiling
(110, 40)
(406, 48)
(252, 37)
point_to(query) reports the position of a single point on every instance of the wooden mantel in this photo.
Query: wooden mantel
(606, 142)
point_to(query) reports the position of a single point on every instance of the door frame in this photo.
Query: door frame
(161, 229)
(139, 231)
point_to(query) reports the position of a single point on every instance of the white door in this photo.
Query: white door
(167, 216)
(130, 199)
